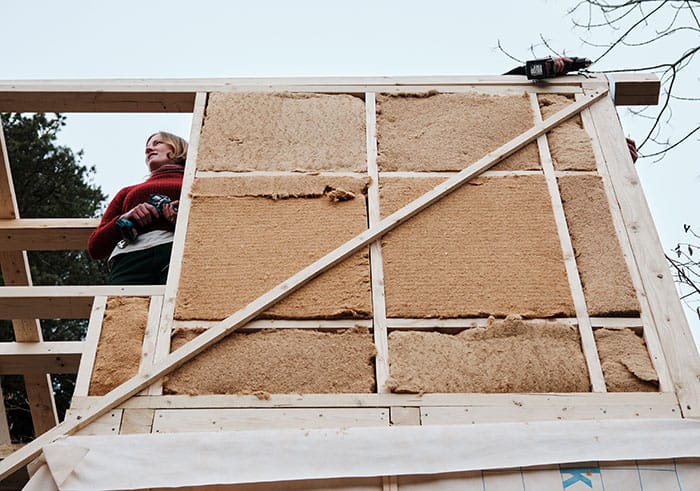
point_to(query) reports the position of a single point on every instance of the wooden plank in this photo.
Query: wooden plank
(590, 352)
(216, 174)
(150, 338)
(321, 324)
(62, 302)
(8, 200)
(87, 362)
(381, 361)
(14, 265)
(675, 336)
(607, 322)
(15, 271)
(41, 402)
(390, 483)
(45, 234)
(252, 310)
(636, 89)
(402, 415)
(94, 101)
(162, 347)
(82, 291)
(191, 85)
(107, 424)
(442, 175)
(189, 420)
(4, 425)
(397, 323)
(137, 421)
(546, 401)
(43, 357)
(484, 414)
(46, 307)
(650, 335)
(617, 322)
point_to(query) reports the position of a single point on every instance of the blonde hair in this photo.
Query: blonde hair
(179, 153)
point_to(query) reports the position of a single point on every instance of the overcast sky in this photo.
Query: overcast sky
(71, 39)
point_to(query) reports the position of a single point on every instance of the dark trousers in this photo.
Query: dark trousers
(146, 267)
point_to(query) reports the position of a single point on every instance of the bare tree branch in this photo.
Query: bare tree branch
(674, 145)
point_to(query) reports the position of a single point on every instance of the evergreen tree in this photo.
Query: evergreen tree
(50, 182)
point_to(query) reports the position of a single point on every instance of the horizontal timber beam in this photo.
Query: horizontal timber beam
(62, 302)
(177, 95)
(42, 357)
(636, 89)
(572, 399)
(45, 234)
(94, 100)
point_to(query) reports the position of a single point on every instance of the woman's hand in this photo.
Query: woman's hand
(632, 146)
(560, 64)
(170, 211)
(142, 214)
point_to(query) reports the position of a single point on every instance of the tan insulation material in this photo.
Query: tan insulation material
(569, 144)
(283, 132)
(489, 248)
(447, 132)
(119, 348)
(508, 355)
(606, 281)
(285, 361)
(625, 361)
(246, 235)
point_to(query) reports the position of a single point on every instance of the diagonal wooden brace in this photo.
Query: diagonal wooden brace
(253, 309)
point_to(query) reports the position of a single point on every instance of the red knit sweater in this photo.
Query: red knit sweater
(106, 236)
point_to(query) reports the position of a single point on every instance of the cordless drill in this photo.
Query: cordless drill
(127, 227)
(544, 67)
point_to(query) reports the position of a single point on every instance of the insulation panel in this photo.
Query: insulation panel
(489, 248)
(283, 131)
(248, 234)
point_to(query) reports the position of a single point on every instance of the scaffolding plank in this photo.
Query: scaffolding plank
(45, 357)
(45, 234)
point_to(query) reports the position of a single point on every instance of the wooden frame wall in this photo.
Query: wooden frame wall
(500, 405)
(138, 413)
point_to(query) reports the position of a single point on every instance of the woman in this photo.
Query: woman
(136, 232)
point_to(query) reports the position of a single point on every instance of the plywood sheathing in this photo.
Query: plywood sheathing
(509, 355)
(489, 248)
(625, 361)
(607, 285)
(248, 234)
(569, 144)
(278, 362)
(283, 132)
(447, 132)
(119, 348)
